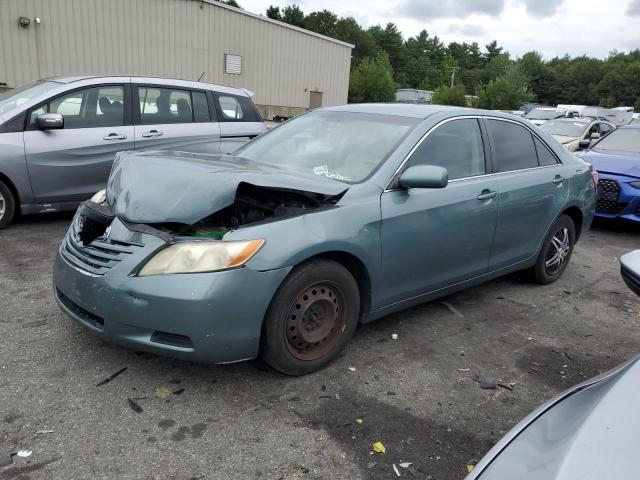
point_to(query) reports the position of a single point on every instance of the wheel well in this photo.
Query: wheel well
(576, 215)
(359, 272)
(4, 179)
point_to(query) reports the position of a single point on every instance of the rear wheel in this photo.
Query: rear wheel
(556, 251)
(311, 318)
(7, 205)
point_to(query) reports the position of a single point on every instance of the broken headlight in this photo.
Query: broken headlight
(99, 197)
(200, 256)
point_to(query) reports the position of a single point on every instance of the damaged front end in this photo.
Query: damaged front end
(176, 195)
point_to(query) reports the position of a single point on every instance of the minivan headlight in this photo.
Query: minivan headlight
(201, 256)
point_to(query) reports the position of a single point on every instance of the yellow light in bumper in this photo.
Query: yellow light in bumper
(201, 256)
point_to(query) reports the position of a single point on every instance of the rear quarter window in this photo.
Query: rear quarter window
(512, 146)
(236, 108)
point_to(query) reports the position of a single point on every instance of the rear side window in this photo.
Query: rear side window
(545, 157)
(167, 105)
(456, 146)
(513, 147)
(237, 108)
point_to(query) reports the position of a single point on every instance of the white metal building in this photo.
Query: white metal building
(289, 69)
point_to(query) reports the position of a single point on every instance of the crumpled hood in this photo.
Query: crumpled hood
(619, 163)
(592, 434)
(180, 187)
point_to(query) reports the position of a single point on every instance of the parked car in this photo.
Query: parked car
(570, 131)
(616, 157)
(539, 115)
(630, 270)
(343, 214)
(588, 431)
(58, 136)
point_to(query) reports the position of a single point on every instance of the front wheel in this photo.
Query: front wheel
(311, 318)
(7, 205)
(556, 251)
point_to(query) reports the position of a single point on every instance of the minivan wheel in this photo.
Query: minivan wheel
(7, 205)
(556, 251)
(311, 318)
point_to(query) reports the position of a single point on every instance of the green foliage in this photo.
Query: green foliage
(231, 3)
(450, 96)
(509, 91)
(425, 62)
(372, 81)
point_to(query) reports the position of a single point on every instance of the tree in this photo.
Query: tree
(231, 3)
(323, 22)
(506, 92)
(372, 81)
(348, 30)
(293, 15)
(273, 12)
(445, 95)
(493, 50)
(390, 40)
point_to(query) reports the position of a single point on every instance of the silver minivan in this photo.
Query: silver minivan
(58, 136)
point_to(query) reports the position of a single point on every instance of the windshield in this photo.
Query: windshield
(345, 146)
(565, 129)
(21, 95)
(622, 139)
(539, 114)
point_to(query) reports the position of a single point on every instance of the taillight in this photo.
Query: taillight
(594, 177)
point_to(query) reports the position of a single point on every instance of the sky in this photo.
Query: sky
(552, 27)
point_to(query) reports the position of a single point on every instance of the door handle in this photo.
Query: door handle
(114, 136)
(152, 133)
(487, 195)
(558, 180)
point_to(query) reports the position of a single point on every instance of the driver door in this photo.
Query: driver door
(72, 163)
(433, 238)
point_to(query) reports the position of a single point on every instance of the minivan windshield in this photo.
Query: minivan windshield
(565, 128)
(21, 95)
(345, 146)
(622, 140)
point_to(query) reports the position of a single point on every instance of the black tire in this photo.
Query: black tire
(311, 318)
(556, 251)
(7, 205)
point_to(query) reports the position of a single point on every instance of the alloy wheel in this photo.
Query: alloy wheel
(558, 251)
(314, 321)
(3, 206)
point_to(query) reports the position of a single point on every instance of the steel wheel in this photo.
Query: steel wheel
(558, 251)
(314, 321)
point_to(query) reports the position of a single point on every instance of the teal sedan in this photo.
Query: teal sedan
(337, 217)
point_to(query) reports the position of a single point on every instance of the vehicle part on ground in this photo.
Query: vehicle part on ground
(311, 318)
(556, 251)
(7, 205)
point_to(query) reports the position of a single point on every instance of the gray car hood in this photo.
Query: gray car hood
(166, 187)
(589, 432)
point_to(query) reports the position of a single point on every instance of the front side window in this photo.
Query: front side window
(167, 105)
(621, 139)
(87, 108)
(456, 146)
(513, 147)
(345, 146)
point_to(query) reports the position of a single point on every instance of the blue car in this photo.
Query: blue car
(616, 158)
(340, 216)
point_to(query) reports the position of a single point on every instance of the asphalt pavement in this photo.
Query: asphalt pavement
(415, 394)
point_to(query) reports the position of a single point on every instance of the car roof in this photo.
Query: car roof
(403, 109)
(66, 79)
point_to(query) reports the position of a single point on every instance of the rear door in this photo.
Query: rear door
(72, 163)
(175, 118)
(533, 188)
(240, 120)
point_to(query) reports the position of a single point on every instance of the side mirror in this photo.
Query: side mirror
(50, 121)
(595, 136)
(584, 144)
(424, 176)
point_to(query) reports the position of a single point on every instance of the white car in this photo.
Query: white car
(570, 131)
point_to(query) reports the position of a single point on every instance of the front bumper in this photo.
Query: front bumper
(617, 199)
(205, 317)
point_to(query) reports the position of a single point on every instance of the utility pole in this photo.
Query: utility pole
(453, 74)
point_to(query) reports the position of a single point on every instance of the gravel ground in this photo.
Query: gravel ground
(243, 421)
